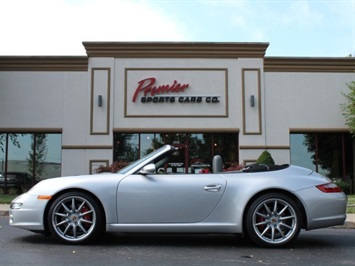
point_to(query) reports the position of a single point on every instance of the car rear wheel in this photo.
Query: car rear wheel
(75, 218)
(273, 220)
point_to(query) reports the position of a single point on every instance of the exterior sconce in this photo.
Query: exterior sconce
(252, 100)
(99, 100)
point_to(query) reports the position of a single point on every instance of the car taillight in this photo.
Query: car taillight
(329, 188)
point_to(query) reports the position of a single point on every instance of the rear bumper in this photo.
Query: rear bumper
(323, 209)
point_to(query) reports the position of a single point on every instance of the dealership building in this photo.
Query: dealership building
(67, 115)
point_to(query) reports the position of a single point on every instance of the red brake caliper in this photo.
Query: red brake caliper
(86, 217)
(260, 219)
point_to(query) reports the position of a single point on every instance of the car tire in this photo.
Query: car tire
(75, 218)
(273, 220)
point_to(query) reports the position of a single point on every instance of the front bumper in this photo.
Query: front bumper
(27, 212)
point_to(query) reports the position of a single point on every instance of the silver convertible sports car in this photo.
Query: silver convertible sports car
(268, 204)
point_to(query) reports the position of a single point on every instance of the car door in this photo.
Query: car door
(168, 198)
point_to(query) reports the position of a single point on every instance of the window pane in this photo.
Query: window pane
(2, 152)
(330, 154)
(52, 161)
(299, 153)
(226, 144)
(200, 147)
(323, 152)
(146, 144)
(200, 155)
(126, 147)
(19, 158)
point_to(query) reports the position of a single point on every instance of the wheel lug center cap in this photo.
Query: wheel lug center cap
(74, 217)
(274, 219)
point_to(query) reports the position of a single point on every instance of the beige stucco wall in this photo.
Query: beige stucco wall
(38, 98)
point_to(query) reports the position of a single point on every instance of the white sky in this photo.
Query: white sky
(316, 28)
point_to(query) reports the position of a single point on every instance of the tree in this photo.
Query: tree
(348, 108)
(37, 154)
(13, 139)
(265, 158)
(328, 150)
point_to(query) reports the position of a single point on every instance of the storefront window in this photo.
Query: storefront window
(2, 153)
(148, 143)
(299, 153)
(126, 147)
(53, 160)
(196, 150)
(19, 147)
(26, 159)
(328, 154)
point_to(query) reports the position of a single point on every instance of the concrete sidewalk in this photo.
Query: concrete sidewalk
(349, 223)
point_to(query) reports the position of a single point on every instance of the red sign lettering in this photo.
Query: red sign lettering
(146, 86)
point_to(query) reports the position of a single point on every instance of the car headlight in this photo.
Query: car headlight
(15, 205)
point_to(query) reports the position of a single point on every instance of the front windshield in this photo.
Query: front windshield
(136, 163)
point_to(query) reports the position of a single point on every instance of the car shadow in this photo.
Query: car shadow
(183, 240)
(304, 241)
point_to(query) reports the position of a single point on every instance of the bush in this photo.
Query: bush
(113, 168)
(345, 187)
(265, 158)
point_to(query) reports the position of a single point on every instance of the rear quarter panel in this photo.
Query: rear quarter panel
(242, 187)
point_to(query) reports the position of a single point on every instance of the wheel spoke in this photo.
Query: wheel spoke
(280, 232)
(272, 233)
(287, 217)
(265, 230)
(66, 229)
(268, 211)
(283, 210)
(73, 204)
(261, 223)
(261, 214)
(85, 213)
(65, 207)
(75, 235)
(82, 228)
(61, 214)
(275, 206)
(61, 223)
(81, 206)
(286, 225)
(86, 221)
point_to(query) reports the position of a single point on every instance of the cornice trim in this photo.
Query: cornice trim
(30, 130)
(306, 64)
(175, 50)
(319, 130)
(43, 63)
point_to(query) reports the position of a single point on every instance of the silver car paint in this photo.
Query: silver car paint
(180, 203)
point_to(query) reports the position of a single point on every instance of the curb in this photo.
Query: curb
(346, 225)
(4, 213)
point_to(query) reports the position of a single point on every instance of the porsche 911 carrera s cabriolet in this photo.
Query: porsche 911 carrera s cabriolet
(269, 204)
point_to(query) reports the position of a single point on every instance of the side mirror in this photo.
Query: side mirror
(149, 169)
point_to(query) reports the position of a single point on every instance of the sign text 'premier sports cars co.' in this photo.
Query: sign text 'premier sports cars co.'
(149, 92)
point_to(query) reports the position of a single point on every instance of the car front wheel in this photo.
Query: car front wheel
(74, 218)
(273, 220)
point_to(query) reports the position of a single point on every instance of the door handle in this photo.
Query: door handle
(213, 188)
